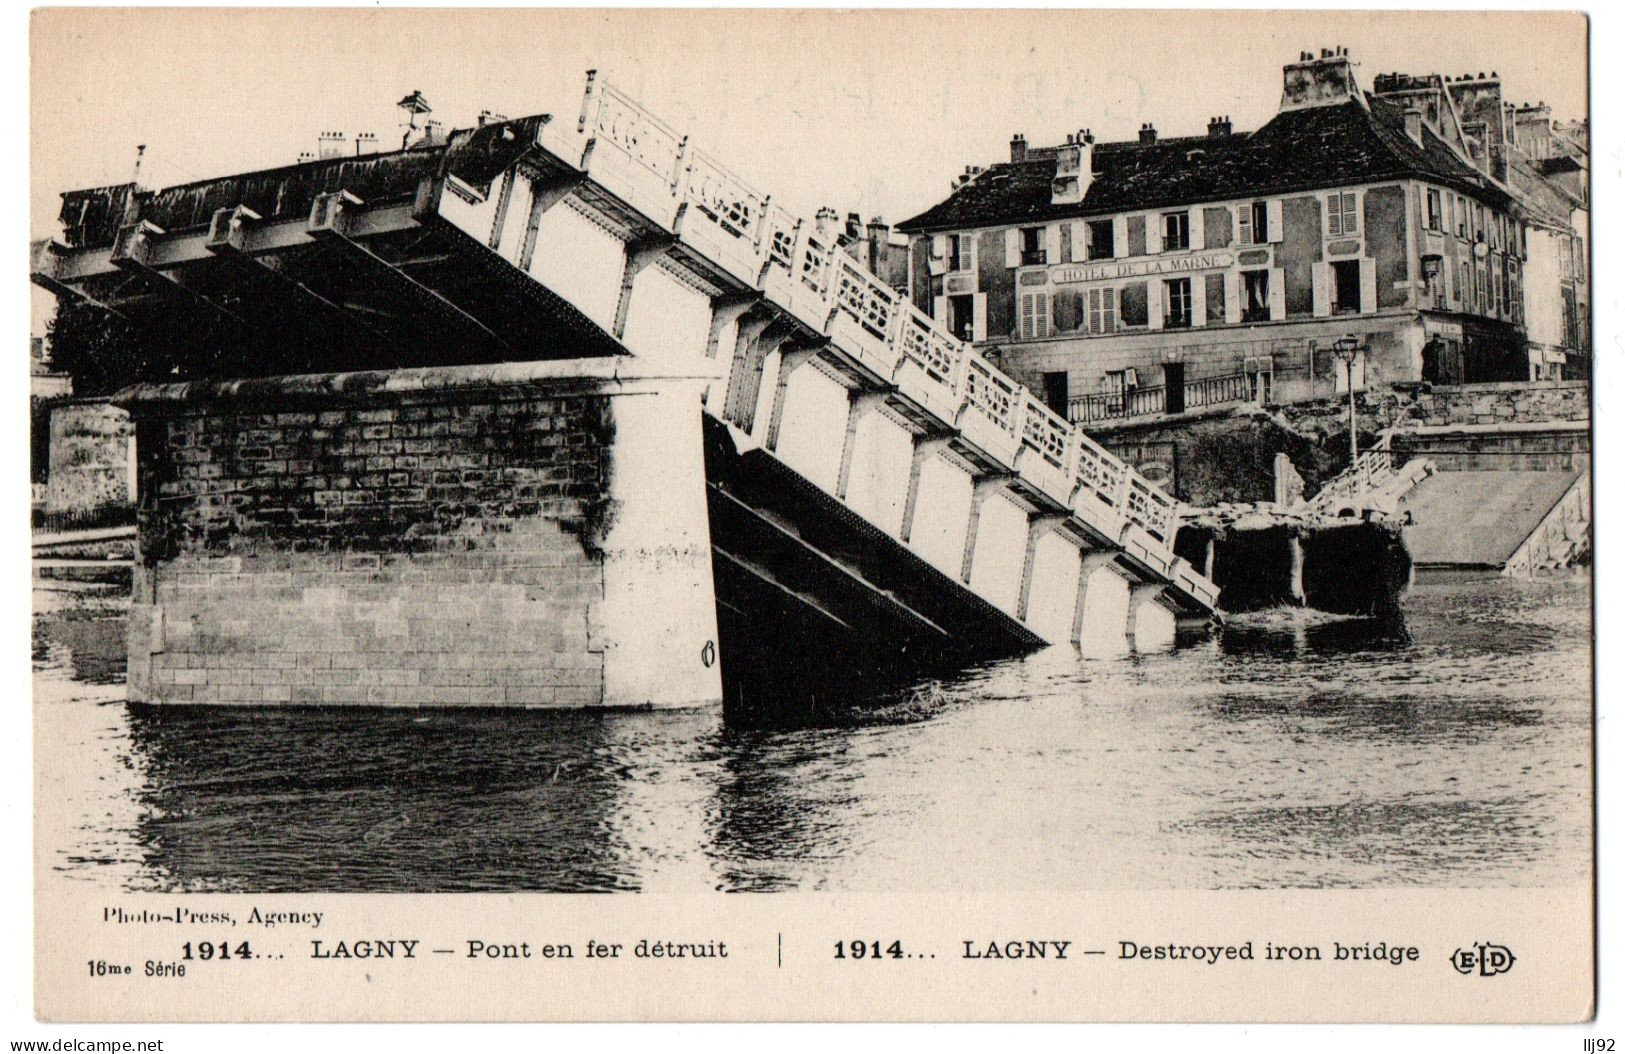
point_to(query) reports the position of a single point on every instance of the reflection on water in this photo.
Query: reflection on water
(1447, 749)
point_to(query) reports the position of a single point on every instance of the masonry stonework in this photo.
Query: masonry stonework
(90, 461)
(419, 548)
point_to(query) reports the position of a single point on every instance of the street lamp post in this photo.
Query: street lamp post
(1347, 349)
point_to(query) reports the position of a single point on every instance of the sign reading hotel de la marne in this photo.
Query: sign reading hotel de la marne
(1136, 268)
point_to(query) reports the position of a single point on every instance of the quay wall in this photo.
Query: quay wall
(1229, 456)
(440, 547)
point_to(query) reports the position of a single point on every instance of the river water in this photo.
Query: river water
(1449, 748)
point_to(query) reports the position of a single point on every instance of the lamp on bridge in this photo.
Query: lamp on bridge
(1348, 349)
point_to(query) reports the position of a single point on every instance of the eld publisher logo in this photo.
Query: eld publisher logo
(1486, 960)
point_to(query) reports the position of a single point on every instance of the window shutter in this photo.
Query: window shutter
(1119, 236)
(1368, 285)
(1277, 294)
(1322, 277)
(1198, 301)
(1052, 243)
(1244, 225)
(939, 310)
(1080, 241)
(978, 324)
(1334, 216)
(1108, 310)
(1198, 230)
(1153, 233)
(1232, 297)
(1012, 247)
(937, 262)
(1273, 207)
(1155, 299)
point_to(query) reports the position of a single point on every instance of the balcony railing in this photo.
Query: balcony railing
(1109, 406)
(1146, 402)
(825, 288)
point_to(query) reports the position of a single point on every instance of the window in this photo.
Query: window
(1255, 296)
(1498, 302)
(1118, 386)
(962, 316)
(1461, 216)
(1345, 286)
(1176, 303)
(1254, 223)
(1464, 288)
(1102, 311)
(1032, 247)
(1176, 232)
(1341, 217)
(1433, 278)
(961, 252)
(1435, 211)
(1262, 382)
(1034, 315)
(1102, 245)
(1481, 290)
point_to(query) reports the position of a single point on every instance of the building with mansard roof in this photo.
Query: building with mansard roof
(1167, 275)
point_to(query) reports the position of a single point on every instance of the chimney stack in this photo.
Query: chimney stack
(1324, 81)
(330, 145)
(854, 226)
(824, 222)
(1413, 125)
(1218, 126)
(1018, 147)
(879, 235)
(366, 143)
(1148, 134)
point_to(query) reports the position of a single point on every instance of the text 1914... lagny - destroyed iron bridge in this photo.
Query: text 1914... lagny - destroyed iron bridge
(426, 428)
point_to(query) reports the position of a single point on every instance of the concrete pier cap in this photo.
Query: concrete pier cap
(518, 534)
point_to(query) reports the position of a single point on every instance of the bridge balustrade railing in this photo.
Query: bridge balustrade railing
(1152, 508)
(867, 312)
(1045, 431)
(832, 293)
(991, 392)
(620, 119)
(1370, 470)
(725, 198)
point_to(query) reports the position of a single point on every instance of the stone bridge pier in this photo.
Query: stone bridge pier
(518, 535)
